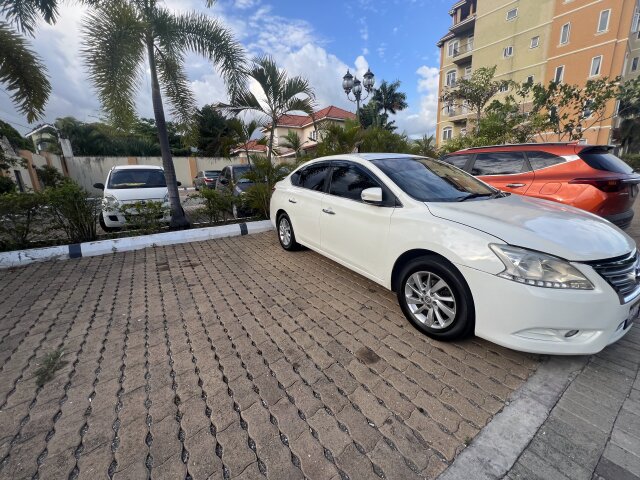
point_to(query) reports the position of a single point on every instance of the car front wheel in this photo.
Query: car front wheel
(436, 299)
(285, 233)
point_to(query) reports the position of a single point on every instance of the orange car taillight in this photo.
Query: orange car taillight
(609, 185)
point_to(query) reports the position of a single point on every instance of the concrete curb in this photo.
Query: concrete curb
(499, 444)
(103, 247)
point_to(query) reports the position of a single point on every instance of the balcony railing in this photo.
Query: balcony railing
(463, 50)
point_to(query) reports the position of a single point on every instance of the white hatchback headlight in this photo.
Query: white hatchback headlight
(109, 202)
(538, 269)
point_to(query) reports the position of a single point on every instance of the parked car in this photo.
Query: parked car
(583, 176)
(461, 255)
(129, 184)
(232, 179)
(206, 179)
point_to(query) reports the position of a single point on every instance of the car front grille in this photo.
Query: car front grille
(622, 273)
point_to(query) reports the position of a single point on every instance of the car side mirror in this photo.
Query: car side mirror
(179, 184)
(99, 186)
(224, 181)
(372, 195)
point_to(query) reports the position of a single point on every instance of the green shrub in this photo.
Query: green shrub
(6, 185)
(264, 176)
(21, 219)
(50, 176)
(72, 211)
(216, 205)
(145, 216)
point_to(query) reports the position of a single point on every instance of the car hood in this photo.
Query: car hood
(134, 194)
(549, 227)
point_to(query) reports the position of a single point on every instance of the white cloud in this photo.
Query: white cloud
(423, 121)
(245, 4)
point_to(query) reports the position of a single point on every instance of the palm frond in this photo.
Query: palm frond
(300, 104)
(23, 74)
(205, 36)
(114, 52)
(270, 78)
(25, 13)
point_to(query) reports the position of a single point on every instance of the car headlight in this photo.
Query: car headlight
(538, 269)
(109, 202)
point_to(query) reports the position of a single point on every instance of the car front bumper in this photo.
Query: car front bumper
(537, 320)
(115, 219)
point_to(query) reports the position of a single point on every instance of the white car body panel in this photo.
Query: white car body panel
(370, 239)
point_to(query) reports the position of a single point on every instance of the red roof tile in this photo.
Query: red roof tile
(252, 146)
(304, 120)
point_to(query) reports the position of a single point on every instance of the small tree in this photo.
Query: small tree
(264, 175)
(425, 146)
(216, 205)
(280, 95)
(475, 92)
(337, 139)
(292, 140)
(240, 133)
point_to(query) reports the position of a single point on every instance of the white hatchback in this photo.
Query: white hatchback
(129, 184)
(463, 257)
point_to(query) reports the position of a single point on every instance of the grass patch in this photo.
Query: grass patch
(49, 365)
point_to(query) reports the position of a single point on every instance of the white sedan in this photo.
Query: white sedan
(462, 257)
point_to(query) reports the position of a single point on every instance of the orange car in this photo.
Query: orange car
(584, 176)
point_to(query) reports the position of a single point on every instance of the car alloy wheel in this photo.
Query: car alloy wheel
(284, 231)
(430, 300)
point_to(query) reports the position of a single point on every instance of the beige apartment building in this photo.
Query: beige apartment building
(539, 40)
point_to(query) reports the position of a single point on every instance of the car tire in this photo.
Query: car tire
(286, 236)
(446, 313)
(104, 226)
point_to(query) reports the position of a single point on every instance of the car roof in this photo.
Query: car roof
(136, 167)
(367, 156)
(571, 146)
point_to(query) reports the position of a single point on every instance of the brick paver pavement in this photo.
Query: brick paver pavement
(232, 359)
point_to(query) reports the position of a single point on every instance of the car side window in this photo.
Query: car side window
(457, 160)
(348, 181)
(499, 164)
(313, 176)
(540, 160)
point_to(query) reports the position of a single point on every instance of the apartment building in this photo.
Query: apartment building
(539, 40)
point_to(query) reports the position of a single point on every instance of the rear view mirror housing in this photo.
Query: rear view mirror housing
(99, 186)
(372, 195)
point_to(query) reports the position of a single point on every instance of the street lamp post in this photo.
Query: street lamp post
(352, 84)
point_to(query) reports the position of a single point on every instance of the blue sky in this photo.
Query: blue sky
(319, 40)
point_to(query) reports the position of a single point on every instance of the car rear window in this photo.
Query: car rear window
(499, 164)
(603, 160)
(313, 176)
(211, 173)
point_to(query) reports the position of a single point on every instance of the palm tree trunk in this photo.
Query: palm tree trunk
(270, 149)
(178, 219)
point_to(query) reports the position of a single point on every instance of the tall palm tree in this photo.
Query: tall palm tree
(21, 71)
(389, 98)
(281, 95)
(123, 37)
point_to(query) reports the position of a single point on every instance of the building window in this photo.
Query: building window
(559, 76)
(512, 14)
(635, 24)
(450, 109)
(507, 52)
(452, 48)
(463, 131)
(504, 87)
(535, 42)
(564, 34)
(447, 133)
(634, 64)
(530, 79)
(467, 72)
(603, 23)
(451, 78)
(596, 63)
(313, 136)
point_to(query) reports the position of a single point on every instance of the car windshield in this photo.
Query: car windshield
(137, 178)
(429, 180)
(212, 173)
(239, 174)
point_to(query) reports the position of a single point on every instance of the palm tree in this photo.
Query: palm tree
(425, 146)
(21, 71)
(242, 133)
(123, 37)
(293, 141)
(389, 98)
(281, 95)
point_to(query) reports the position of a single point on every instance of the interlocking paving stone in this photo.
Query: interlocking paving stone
(234, 359)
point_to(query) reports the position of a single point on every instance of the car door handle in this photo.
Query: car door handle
(329, 211)
(291, 200)
(516, 185)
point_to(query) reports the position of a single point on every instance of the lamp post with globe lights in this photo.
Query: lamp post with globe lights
(351, 84)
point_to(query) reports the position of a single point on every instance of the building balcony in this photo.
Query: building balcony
(456, 115)
(462, 54)
(464, 25)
